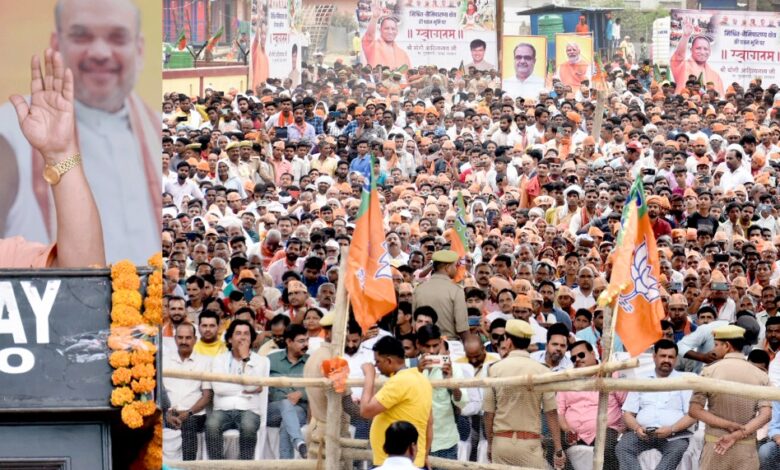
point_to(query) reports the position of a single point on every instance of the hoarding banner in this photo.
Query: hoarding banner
(275, 49)
(723, 47)
(445, 33)
(53, 333)
(524, 65)
(573, 58)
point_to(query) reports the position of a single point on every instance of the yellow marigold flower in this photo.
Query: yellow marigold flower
(130, 298)
(121, 396)
(131, 417)
(119, 359)
(143, 385)
(143, 370)
(121, 376)
(154, 292)
(141, 357)
(155, 260)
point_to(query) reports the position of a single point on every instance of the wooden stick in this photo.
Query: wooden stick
(475, 382)
(438, 462)
(244, 464)
(606, 352)
(598, 116)
(335, 408)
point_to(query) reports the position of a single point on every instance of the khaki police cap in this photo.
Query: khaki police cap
(519, 328)
(729, 332)
(445, 256)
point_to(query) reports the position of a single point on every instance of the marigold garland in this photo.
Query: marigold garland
(133, 350)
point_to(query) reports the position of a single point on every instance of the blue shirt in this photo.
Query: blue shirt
(294, 134)
(656, 409)
(609, 30)
(592, 335)
(774, 425)
(362, 165)
(317, 123)
(314, 286)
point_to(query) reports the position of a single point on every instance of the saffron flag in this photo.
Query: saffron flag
(635, 277)
(457, 239)
(368, 279)
(181, 41)
(214, 39)
(600, 77)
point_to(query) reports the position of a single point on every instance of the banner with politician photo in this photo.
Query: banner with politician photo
(717, 48)
(275, 49)
(524, 65)
(573, 58)
(445, 33)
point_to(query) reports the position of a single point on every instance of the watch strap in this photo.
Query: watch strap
(68, 164)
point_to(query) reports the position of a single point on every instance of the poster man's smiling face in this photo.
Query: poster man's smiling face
(525, 59)
(101, 43)
(700, 50)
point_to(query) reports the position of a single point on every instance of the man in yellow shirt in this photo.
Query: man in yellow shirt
(209, 343)
(406, 396)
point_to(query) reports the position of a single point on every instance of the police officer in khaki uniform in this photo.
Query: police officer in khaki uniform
(444, 296)
(513, 414)
(318, 401)
(732, 421)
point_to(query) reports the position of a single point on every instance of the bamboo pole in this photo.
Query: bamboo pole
(475, 382)
(335, 408)
(244, 464)
(606, 353)
(598, 115)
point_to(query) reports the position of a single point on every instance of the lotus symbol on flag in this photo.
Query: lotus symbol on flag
(645, 284)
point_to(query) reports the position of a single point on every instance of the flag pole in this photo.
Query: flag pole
(338, 340)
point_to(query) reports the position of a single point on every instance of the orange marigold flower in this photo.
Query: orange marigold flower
(146, 408)
(119, 359)
(143, 370)
(121, 396)
(123, 315)
(122, 268)
(131, 298)
(132, 282)
(121, 376)
(155, 260)
(141, 357)
(131, 417)
(143, 385)
(153, 317)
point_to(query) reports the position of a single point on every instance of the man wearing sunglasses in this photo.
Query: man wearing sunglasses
(578, 411)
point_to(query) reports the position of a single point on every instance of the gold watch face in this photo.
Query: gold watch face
(51, 175)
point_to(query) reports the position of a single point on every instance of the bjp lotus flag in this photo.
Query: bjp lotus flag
(457, 238)
(635, 276)
(368, 279)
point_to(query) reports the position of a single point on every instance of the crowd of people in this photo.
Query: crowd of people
(260, 193)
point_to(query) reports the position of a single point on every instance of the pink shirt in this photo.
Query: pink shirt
(581, 409)
(16, 252)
